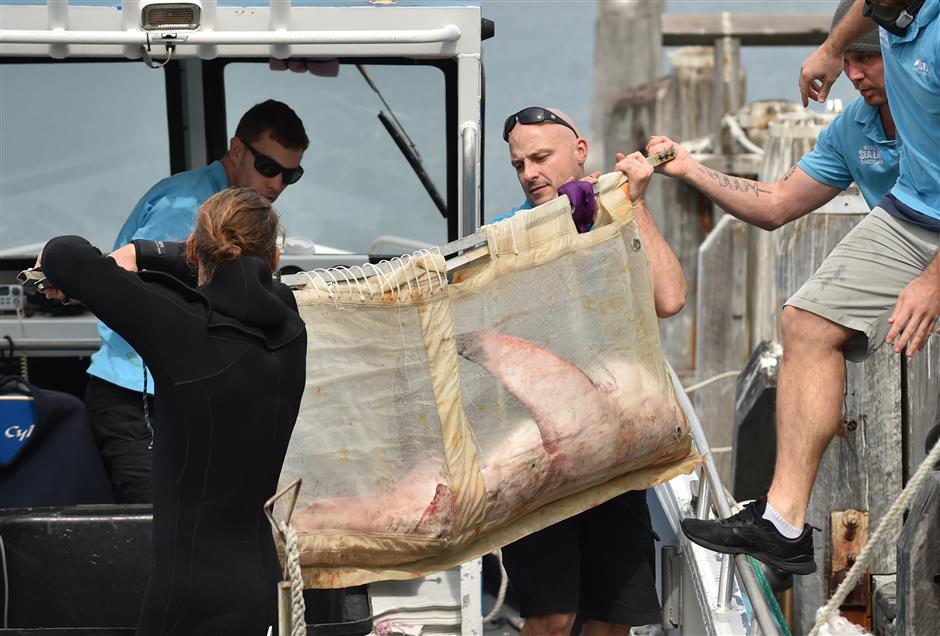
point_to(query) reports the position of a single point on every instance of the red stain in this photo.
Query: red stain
(441, 508)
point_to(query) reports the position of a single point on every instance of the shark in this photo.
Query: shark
(584, 424)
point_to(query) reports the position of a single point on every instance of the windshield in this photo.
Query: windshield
(80, 143)
(357, 185)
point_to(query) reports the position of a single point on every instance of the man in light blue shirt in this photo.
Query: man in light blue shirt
(264, 155)
(880, 283)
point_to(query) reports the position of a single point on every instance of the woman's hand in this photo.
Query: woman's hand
(50, 292)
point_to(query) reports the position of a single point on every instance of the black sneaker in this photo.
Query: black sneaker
(747, 532)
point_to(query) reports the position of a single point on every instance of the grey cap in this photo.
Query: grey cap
(869, 43)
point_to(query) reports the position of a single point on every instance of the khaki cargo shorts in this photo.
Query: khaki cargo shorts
(858, 284)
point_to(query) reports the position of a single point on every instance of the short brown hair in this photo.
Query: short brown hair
(277, 118)
(233, 223)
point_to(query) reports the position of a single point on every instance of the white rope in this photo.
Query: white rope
(490, 233)
(414, 271)
(441, 276)
(349, 284)
(365, 279)
(385, 285)
(398, 263)
(738, 134)
(721, 376)
(503, 584)
(427, 257)
(298, 607)
(886, 531)
(322, 274)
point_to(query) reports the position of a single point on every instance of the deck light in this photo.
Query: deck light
(161, 15)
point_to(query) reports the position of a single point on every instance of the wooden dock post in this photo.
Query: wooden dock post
(627, 52)
(677, 106)
(721, 333)
(918, 581)
(791, 135)
(921, 402)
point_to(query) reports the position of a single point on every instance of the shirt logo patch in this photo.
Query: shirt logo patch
(869, 155)
(921, 66)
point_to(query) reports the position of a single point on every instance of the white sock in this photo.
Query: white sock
(780, 523)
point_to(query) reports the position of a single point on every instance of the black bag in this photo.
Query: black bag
(48, 455)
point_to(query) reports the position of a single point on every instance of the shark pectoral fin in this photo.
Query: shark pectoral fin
(559, 395)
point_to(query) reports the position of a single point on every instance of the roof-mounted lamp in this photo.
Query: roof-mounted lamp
(163, 18)
(169, 15)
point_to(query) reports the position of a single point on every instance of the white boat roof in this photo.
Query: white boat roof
(245, 28)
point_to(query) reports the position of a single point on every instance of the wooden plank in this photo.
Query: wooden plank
(694, 70)
(684, 216)
(922, 402)
(627, 52)
(918, 586)
(790, 136)
(782, 29)
(727, 92)
(720, 333)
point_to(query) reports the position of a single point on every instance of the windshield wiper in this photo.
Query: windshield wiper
(405, 145)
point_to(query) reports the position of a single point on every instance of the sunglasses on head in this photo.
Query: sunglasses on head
(534, 115)
(268, 167)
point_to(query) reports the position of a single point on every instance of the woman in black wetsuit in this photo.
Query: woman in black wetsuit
(228, 360)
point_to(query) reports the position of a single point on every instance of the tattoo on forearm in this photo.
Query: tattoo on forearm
(734, 183)
(789, 173)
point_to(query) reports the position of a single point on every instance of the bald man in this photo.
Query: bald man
(600, 563)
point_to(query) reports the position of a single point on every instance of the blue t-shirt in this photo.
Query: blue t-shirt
(167, 212)
(524, 206)
(854, 147)
(912, 78)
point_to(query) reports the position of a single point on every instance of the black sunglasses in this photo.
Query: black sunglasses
(534, 115)
(268, 167)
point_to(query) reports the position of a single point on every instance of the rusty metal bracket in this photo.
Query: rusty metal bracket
(848, 534)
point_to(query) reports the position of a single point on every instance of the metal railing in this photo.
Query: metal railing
(712, 486)
(17, 346)
(447, 33)
(468, 224)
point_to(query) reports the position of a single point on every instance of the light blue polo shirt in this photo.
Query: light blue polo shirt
(854, 147)
(167, 212)
(524, 206)
(912, 77)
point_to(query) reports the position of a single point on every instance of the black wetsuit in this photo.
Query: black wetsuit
(228, 362)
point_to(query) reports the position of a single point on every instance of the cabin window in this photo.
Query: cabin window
(357, 186)
(80, 143)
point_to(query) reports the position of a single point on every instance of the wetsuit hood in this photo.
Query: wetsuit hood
(243, 296)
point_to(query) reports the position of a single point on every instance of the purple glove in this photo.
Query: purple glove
(583, 205)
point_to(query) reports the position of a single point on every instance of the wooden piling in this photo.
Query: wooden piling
(918, 581)
(627, 52)
(721, 333)
(678, 106)
(921, 402)
(791, 135)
